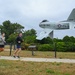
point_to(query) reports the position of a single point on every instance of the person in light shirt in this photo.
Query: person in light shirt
(2, 42)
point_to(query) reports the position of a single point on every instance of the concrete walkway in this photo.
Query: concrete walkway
(38, 59)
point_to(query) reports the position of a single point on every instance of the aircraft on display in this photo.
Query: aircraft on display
(49, 27)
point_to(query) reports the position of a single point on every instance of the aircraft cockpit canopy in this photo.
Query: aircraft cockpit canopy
(44, 21)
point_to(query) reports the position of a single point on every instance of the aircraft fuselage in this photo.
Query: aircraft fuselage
(55, 26)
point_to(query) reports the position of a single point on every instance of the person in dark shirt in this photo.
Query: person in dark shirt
(18, 44)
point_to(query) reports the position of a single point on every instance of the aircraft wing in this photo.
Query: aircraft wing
(45, 33)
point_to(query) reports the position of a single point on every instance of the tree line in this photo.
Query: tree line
(29, 36)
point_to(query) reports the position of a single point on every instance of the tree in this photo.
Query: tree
(30, 32)
(57, 40)
(29, 36)
(30, 39)
(72, 39)
(47, 40)
(12, 38)
(66, 39)
(10, 28)
(17, 27)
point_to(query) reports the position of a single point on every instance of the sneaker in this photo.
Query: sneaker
(14, 56)
(18, 56)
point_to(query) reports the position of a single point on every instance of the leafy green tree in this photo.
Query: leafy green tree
(72, 39)
(57, 40)
(29, 36)
(47, 40)
(30, 32)
(66, 39)
(30, 39)
(12, 38)
(10, 28)
(17, 27)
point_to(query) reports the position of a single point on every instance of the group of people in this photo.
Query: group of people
(18, 44)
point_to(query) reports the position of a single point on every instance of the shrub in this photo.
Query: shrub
(65, 46)
(60, 46)
(70, 46)
(24, 46)
(45, 47)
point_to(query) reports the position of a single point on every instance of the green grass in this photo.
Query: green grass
(8, 67)
(40, 54)
(34, 68)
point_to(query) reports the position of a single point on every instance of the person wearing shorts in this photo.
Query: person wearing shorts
(18, 45)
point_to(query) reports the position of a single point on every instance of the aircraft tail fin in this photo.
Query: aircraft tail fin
(72, 16)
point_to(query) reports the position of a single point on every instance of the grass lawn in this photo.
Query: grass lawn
(40, 54)
(33, 68)
(8, 67)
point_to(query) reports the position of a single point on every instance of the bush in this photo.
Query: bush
(24, 46)
(45, 47)
(60, 46)
(70, 47)
(65, 46)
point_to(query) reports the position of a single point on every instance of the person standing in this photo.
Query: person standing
(18, 44)
(2, 42)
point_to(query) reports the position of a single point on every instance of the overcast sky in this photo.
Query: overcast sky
(30, 13)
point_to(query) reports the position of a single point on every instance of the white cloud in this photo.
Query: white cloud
(30, 12)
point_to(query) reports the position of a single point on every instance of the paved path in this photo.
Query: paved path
(38, 59)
